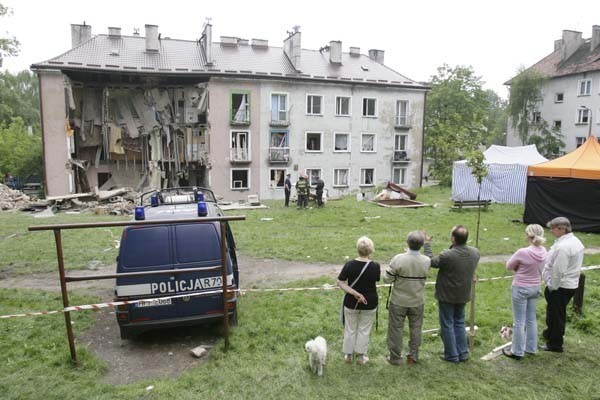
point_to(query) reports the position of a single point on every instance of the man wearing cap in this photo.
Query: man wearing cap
(287, 188)
(561, 275)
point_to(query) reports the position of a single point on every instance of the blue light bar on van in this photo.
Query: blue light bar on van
(154, 200)
(199, 196)
(139, 214)
(202, 210)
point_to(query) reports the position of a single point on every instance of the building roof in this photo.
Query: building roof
(584, 163)
(127, 54)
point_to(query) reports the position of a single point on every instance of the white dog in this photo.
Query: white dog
(317, 350)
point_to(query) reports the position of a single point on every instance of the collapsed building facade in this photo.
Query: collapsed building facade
(151, 112)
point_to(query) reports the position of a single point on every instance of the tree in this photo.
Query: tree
(525, 94)
(20, 152)
(548, 141)
(19, 97)
(457, 108)
(496, 121)
(9, 47)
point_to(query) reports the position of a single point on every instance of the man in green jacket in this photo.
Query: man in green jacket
(453, 291)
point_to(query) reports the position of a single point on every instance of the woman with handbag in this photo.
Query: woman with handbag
(358, 279)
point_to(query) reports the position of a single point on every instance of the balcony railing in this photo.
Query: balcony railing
(239, 154)
(402, 121)
(280, 122)
(279, 154)
(400, 156)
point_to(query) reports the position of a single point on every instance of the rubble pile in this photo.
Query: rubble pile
(13, 199)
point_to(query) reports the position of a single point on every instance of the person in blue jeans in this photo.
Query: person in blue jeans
(527, 264)
(453, 291)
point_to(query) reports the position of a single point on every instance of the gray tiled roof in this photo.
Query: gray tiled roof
(128, 54)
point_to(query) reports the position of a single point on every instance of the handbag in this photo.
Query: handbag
(342, 319)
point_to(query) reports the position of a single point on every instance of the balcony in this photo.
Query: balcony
(400, 156)
(239, 155)
(402, 122)
(279, 123)
(279, 154)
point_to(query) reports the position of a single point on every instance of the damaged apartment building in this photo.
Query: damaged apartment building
(235, 116)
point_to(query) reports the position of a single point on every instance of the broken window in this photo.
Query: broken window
(276, 178)
(367, 176)
(240, 146)
(240, 179)
(341, 142)
(369, 107)
(340, 177)
(399, 176)
(240, 107)
(314, 104)
(279, 149)
(402, 113)
(279, 107)
(313, 175)
(367, 143)
(342, 106)
(313, 141)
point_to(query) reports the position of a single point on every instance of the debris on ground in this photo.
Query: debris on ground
(199, 351)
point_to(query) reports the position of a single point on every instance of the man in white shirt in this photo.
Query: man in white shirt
(561, 275)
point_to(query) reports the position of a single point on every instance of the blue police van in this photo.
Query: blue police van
(180, 246)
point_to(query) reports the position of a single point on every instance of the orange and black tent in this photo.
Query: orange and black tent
(568, 186)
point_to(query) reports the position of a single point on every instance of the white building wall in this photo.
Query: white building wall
(566, 112)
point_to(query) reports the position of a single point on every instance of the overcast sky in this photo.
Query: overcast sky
(494, 37)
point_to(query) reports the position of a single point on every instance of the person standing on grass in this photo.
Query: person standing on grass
(527, 264)
(358, 279)
(561, 275)
(302, 192)
(453, 291)
(407, 273)
(287, 189)
(319, 191)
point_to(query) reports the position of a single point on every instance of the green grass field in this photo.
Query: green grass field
(266, 359)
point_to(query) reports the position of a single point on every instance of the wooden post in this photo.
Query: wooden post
(578, 297)
(224, 278)
(65, 296)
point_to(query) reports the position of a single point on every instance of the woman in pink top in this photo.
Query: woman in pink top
(527, 263)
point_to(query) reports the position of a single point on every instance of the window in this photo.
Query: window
(368, 143)
(583, 116)
(314, 104)
(559, 97)
(279, 149)
(240, 146)
(342, 106)
(313, 175)
(536, 117)
(367, 176)
(240, 179)
(240, 107)
(341, 142)
(279, 107)
(557, 126)
(402, 113)
(400, 142)
(369, 107)
(276, 178)
(313, 141)
(340, 177)
(399, 176)
(585, 87)
(579, 140)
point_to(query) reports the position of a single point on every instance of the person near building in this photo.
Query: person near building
(287, 189)
(302, 192)
(319, 191)
(561, 275)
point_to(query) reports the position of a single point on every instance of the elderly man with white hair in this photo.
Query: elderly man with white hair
(561, 275)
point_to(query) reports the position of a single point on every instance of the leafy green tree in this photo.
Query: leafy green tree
(496, 122)
(9, 47)
(525, 95)
(549, 142)
(457, 110)
(19, 97)
(20, 151)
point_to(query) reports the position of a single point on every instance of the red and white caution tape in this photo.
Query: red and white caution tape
(241, 291)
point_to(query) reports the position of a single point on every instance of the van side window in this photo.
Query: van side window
(197, 243)
(146, 247)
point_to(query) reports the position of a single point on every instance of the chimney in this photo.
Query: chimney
(571, 41)
(260, 43)
(355, 51)
(292, 47)
(376, 55)
(558, 44)
(80, 33)
(335, 52)
(152, 38)
(595, 37)
(114, 32)
(206, 43)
